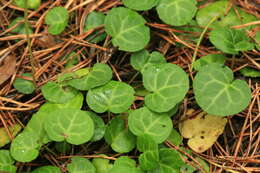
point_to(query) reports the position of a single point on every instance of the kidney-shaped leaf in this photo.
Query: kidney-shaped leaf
(47, 169)
(24, 86)
(142, 59)
(25, 147)
(176, 12)
(57, 19)
(120, 139)
(80, 165)
(57, 93)
(217, 93)
(6, 162)
(102, 165)
(143, 121)
(146, 143)
(99, 75)
(168, 84)
(140, 5)
(73, 125)
(100, 128)
(209, 59)
(127, 29)
(114, 96)
(202, 131)
(126, 165)
(230, 40)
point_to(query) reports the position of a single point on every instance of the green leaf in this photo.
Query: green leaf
(6, 162)
(31, 4)
(142, 59)
(126, 165)
(170, 161)
(4, 137)
(230, 40)
(127, 29)
(72, 125)
(102, 165)
(120, 139)
(226, 16)
(209, 59)
(71, 59)
(214, 88)
(146, 143)
(140, 5)
(57, 93)
(80, 165)
(24, 86)
(99, 127)
(250, 72)
(114, 96)
(257, 39)
(149, 160)
(143, 121)
(25, 147)
(57, 20)
(95, 19)
(210, 11)
(99, 75)
(168, 84)
(20, 29)
(175, 138)
(176, 12)
(47, 169)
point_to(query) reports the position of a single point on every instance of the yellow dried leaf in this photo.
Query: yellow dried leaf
(4, 138)
(203, 130)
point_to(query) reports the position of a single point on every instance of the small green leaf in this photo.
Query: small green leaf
(24, 86)
(230, 40)
(95, 19)
(216, 9)
(140, 5)
(31, 4)
(99, 127)
(170, 161)
(126, 165)
(99, 75)
(142, 59)
(57, 93)
(176, 12)
(80, 165)
(47, 169)
(20, 29)
(175, 138)
(209, 59)
(72, 125)
(250, 72)
(120, 139)
(143, 121)
(146, 143)
(214, 88)
(71, 59)
(4, 137)
(25, 147)
(57, 20)
(168, 84)
(127, 29)
(114, 96)
(102, 165)
(6, 162)
(149, 160)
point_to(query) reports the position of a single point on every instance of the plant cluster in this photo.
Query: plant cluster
(76, 101)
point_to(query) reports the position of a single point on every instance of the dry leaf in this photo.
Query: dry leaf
(202, 130)
(7, 67)
(4, 138)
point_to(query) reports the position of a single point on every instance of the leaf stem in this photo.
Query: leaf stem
(29, 41)
(199, 41)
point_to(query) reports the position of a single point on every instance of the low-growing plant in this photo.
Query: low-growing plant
(76, 101)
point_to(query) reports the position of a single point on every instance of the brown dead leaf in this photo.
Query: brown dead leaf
(46, 41)
(7, 67)
(202, 130)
